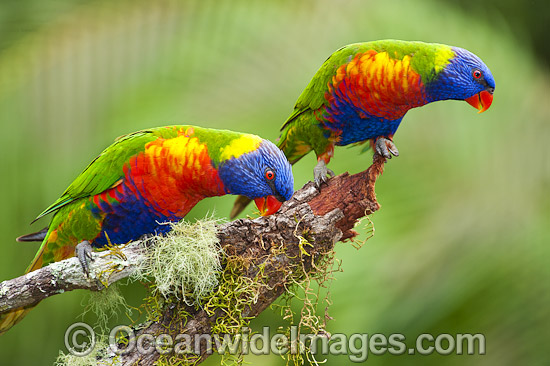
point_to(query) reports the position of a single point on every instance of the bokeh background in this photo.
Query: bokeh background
(462, 239)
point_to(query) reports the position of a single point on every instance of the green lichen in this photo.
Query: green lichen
(106, 304)
(98, 352)
(369, 232)
(230, 298)
(306, 289)
(184, 263)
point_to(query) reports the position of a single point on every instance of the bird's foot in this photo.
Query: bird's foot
(83, 251)
(320, 173)
(385, 147)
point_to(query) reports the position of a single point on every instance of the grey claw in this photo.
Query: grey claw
(320, 173)
(385, 147)
(83, 251)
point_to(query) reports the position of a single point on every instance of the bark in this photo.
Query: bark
(324, 217)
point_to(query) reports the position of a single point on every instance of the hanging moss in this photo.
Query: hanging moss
(184, 263)
(105, 305)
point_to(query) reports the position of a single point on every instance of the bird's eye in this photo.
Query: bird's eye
(269, 175)
(477, 74)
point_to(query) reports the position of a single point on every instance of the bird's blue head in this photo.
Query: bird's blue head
(465, 77)
(263, 174)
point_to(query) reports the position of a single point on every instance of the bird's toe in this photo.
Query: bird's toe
(320, 173)
(386, 148)
(392, 148)
(83, 251)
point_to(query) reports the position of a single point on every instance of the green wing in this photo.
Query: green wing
(105, 170)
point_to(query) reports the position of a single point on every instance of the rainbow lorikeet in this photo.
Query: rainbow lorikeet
(151, 177)
(363, 90)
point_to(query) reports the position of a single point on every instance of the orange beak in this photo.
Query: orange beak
(481, 100)
(267, 205)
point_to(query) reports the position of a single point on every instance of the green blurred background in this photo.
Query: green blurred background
(461, 242)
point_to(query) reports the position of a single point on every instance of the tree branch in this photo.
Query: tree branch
(67, 275)
(327, 216)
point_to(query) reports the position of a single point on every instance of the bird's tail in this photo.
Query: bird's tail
(38, 236)
(240, 204)
(9, 319)
(293, 148)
